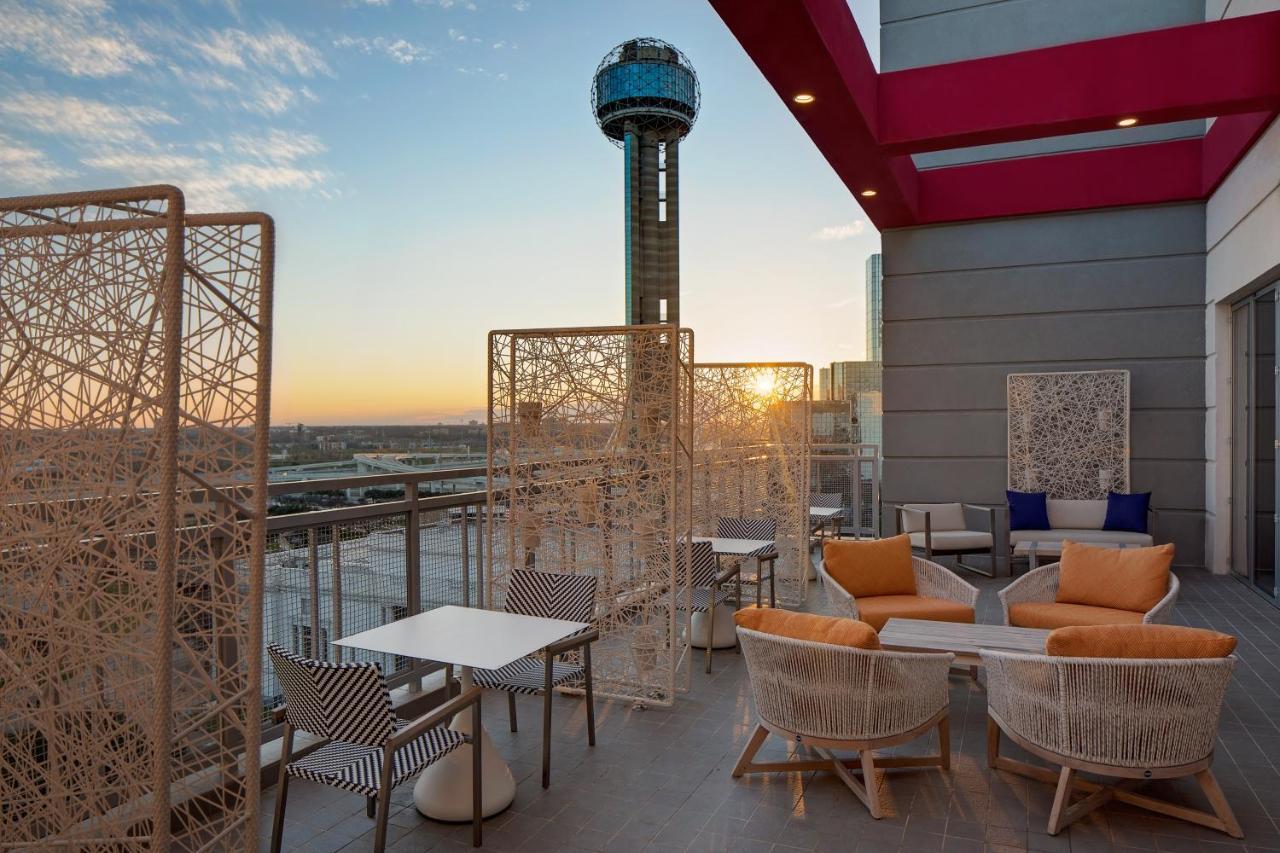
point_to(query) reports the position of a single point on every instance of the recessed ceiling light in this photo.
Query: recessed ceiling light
(803, 98)
(867, 193)
(1127, 122)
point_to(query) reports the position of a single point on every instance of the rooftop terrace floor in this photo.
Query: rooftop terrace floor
(659, 779)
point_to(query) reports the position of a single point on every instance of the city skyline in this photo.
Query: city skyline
(435, 172)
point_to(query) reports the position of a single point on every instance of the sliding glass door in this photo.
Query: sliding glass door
(1253, 440)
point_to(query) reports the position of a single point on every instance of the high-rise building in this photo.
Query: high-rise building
(875, 321)
(860, 382)
(645, 99)
(824, 383)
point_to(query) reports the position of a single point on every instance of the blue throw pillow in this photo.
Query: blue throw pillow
(1027, 510)
(1127, 512)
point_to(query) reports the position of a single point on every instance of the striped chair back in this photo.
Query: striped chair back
(346, 702)
(826, 500)
(747, 528)
(552, 595)
(702, 564)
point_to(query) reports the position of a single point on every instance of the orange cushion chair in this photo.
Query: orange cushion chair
(877, 580)
(813, 627)
(1094, 586)
(1147, 642)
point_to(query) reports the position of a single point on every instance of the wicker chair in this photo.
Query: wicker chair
(932, 581)
(828, 697)
(1040, 586)
(1130, 719)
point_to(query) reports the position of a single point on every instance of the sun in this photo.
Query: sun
(764, 384)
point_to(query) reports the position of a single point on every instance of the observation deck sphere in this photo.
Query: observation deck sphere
(646, 84)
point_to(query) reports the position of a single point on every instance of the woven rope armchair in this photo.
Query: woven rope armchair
(828, 697)
(932, 581)
(1041, 586)
(1130, 719)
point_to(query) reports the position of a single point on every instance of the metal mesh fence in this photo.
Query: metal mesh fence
(854, 474)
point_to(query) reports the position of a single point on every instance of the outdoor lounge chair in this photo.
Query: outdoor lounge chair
(876, 580)
(370, 750)
(939, 530)
(551, 595)
(1130, 702)
(822, 683)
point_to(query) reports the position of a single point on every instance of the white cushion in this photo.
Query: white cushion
(1077, 515)
(941, 517)
(1121, 537)
(953, 540)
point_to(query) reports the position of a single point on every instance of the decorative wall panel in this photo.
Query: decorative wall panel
(133, 465)
(590, 472)
(752, 457)
(1069, 433)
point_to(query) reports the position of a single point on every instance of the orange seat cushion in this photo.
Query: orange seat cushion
(1139, 641)
(808, 626)
(1123, 578)
(871, 566)
(878, 609)
(1050, 614)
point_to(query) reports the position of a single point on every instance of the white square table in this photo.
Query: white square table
(468, 638)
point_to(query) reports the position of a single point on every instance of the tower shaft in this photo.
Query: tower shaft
(652, 228)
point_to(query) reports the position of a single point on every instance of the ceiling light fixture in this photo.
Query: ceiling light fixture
(1127, 122)
(803, 98)
(867, 193)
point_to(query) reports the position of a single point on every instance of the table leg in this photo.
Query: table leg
(443, 791)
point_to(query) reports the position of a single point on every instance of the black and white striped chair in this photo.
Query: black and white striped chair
(705, 584)
(369, 749)
(818, 523)
(754, 528)
(551, 595)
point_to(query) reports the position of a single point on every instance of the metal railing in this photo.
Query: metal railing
(853, 470)
(334, 572)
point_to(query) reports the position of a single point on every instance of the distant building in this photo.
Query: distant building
(832, 422)
(824, 383)
(875, 318)
(861, 384)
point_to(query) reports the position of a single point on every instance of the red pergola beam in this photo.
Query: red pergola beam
(1219, 68)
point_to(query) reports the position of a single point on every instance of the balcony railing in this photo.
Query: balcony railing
(852, 470)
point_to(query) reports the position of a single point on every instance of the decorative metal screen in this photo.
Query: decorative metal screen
(133, 458)
(590, 472)
(1069, 433)
(752, 457)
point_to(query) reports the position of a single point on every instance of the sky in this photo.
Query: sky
(434, 172)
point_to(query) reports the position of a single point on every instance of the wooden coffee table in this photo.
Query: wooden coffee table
(961, 639)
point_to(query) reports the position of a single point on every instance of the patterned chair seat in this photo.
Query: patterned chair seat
(527, 676)
(702, 599)
(357, 768)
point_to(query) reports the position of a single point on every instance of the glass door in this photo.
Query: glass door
(1254, 524)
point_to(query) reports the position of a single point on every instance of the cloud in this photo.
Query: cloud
(397, 49)
(844, 303)
(521, 5)
(74, 37)
(840, 232)
(24, 166)
(84, 120)
(278, 146)
(269, 98)
(277, 49)
(476, 71)
(469, 5)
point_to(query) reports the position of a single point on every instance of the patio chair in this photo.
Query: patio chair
(369, 750)
(1130, 702)
(753, 528)
(941, 530)
(823, 683)
(551, 595)
(706, 593)
(1037, 600)
(818, 524)
(877, 580)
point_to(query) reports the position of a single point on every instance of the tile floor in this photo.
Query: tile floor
(658, 780)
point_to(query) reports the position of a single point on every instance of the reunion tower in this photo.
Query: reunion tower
(645, 98)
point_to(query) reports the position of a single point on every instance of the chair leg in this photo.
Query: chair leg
(384, 801)
(773, 595)
(370, 807)
(869, 782)
(758, 737)
(1061, 799)
(993, 743)
(1218, 801)
(477, 793)
(591, 699)
(759, 582)
(944, 742)
(511, 709)
(546, 724)
(286, 753)
(711, 625)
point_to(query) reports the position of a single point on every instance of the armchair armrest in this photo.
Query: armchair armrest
(838, 598)
(989, 511)
(1037, 585)
(433, 718)
(568, 644)
(1162, 613)
(900, 510)
(935, 581)
(278, 714)
(1151, 526)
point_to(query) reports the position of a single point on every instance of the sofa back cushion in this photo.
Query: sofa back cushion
(1139, 641)
(1027, 510)
(1083, 515)
(833, 630)
(1127, 512)
(941, 517)
(870, 567)
(1122, 578)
